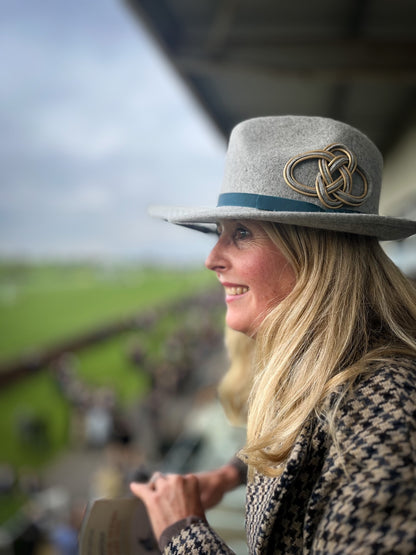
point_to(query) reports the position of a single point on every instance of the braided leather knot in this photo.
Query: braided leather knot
(333, 183)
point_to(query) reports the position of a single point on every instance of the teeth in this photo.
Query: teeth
(236, 290)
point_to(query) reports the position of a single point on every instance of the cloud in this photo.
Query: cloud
(95, 126)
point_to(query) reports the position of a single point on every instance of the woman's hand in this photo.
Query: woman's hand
(172, 497)
(169, 498)
(214, 484)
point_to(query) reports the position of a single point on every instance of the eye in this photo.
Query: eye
(241, 233)
(219, 230)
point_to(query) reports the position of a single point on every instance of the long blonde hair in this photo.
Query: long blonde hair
(351, 308)
(235, 387)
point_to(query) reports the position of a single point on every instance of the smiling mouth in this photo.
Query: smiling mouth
(236, 290)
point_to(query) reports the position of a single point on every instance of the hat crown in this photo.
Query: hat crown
(299, 170)
(313, 160)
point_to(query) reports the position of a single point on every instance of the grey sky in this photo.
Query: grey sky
(94, 127)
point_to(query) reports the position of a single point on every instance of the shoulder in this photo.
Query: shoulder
(398, 371)
(378, 416)
(386, 386)
(364, 497)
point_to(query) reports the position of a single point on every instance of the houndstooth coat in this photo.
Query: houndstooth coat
(359, 498)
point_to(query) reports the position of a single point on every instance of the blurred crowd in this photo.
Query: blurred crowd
(126, 442)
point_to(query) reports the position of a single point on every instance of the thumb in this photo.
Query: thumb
(139, 490)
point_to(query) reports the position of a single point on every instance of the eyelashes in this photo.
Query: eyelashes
(241, 233)
(236, 231)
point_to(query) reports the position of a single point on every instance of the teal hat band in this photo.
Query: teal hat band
(272, 204)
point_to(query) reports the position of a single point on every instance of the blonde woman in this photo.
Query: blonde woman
(331, 426)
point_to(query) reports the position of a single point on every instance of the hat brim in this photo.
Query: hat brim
(203, 219)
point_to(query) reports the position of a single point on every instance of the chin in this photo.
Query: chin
(240, 326)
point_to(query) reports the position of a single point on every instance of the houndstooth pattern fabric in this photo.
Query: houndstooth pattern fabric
(356, 496)
(197, 539)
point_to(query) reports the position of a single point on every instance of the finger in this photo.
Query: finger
(140, 490)
(156, 476)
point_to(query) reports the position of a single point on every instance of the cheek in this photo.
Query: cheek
(278, 279)
(261, 278)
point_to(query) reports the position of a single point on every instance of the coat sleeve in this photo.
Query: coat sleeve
(368, 484)
(195, 537)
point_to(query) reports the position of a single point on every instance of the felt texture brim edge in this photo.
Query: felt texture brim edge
(385, 228)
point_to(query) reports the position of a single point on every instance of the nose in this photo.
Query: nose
(216, 260)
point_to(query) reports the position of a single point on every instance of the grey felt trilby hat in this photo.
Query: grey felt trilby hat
(309, 171)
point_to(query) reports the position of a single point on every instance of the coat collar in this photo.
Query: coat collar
(265, 495)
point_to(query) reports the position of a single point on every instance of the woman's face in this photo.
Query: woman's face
(253, 271)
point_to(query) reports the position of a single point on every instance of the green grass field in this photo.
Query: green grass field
(41, 305)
